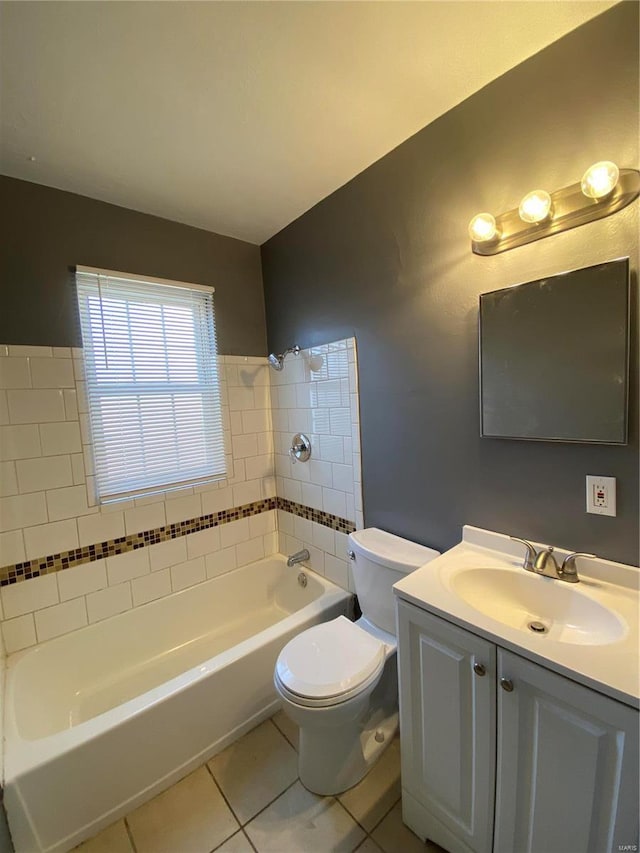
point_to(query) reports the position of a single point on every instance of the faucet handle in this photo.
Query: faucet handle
(568, 570)
(531, 554)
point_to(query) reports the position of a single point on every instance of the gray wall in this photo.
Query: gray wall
(387, 258)
(45, 232)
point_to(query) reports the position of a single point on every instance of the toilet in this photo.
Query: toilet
(338, 680)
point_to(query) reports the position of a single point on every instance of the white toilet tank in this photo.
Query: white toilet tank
(378, 560)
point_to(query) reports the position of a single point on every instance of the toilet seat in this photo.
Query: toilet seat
(329, 701)
(329, 663)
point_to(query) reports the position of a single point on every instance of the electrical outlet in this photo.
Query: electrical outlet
(601, 495)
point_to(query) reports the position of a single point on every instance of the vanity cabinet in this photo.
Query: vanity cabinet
(448, 726)
(500, 754)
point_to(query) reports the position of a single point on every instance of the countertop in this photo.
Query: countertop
(612, 668)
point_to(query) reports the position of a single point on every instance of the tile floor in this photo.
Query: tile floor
(249, 798)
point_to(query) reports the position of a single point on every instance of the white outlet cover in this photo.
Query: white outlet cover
(607, 486)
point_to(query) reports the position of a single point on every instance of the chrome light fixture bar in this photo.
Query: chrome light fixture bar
(603, 190)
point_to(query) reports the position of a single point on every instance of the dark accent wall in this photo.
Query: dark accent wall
(46, 232)
(387, 258)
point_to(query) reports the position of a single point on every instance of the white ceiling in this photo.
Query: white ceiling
(239, 116)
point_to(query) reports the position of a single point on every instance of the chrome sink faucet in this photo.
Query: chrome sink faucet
(544, 562)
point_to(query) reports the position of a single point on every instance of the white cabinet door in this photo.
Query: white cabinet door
(447, 714)
(567, 777)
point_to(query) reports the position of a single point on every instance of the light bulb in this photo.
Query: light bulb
(600, 179)
(535, 206)
(483, 228)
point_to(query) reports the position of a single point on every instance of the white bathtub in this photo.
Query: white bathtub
(100, 720)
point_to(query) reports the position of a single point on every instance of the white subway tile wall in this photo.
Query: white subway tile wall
(75, 582)
(50, 538)
(317, 393)
(108, 602)
(188, 574)
(150, 587)
(46, 494)
(60, 619)
(46, 486)
(12, 547)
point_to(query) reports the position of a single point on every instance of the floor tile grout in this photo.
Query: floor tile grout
(386, 814)
(283, 734)
(235, 816)
(218, 846)
(353, 817)
(280, 732)
(237, 832)
(251, 844)
(253, 817)
(297, 779)
(130, 834)
(364, 841)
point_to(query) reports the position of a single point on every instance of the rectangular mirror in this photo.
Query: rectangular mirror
(554, 357)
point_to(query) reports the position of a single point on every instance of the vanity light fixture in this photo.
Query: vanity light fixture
(482, 228)
(600, 179)
(535, 206)
(603, 190)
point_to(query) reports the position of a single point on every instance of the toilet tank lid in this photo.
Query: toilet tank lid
(389, 550)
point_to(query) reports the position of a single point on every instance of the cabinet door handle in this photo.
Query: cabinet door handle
(506, 684)
(479, 669)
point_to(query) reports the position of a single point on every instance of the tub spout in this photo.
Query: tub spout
(298, 557)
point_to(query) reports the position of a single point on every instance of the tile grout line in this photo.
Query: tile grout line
(130, 834)
(270, 803)
(238, 832)
(215, 782)
(385, 815)
(378, 822)
(292, 745)
(264, 808)
(353, 817)
(364, 841)
(251, 844)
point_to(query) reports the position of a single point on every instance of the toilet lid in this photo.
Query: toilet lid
(329, 659)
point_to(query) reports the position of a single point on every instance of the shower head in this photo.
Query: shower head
(277, 361)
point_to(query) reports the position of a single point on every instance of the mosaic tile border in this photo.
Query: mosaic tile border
(317, 515)
(101, 550)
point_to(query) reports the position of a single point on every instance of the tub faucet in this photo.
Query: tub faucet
(298, 557)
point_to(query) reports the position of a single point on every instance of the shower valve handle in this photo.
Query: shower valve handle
(300, 449)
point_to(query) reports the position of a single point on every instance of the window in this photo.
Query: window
(151, 367)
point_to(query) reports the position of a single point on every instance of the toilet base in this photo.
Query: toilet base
(332, 760)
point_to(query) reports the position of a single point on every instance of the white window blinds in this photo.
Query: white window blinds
(152, 382)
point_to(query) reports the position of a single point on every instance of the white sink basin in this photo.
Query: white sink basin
(517, 598)
(592, 628)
